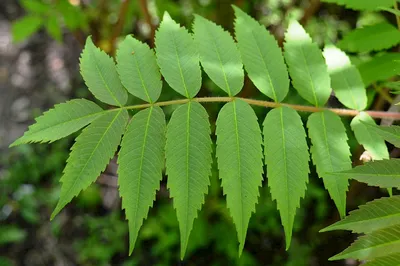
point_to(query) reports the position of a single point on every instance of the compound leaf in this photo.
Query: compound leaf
(372, 216)
(376, 244)
(330, 153)
(90, 154)
(188, 162)
(178, 57)
(63, 120)
(141, 160)
(286, 157)
(240, 165)
(138, 70)
(307, 66)
(362, 4)
(100, 75)
(384, 173)
(380, 67)
(371, 140)
(346, 80)
(371, 38)
(261, 56)
(219, 55)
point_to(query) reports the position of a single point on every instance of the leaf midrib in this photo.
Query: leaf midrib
(102, 78)
(141, 79)
(65, 122)
(239, 169)
(285, 163)
(139, 179)
(179, 65)
(92, 153)
(266, 67)
(220, 61)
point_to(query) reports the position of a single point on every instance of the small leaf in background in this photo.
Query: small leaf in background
(376, 244)
(100, 75)
(286, 157)
(73, 16)
(262, 57)
(371, 38)
(24, 27)
(90, 154)
(141, 160)
(389, 133)
(178, 57)
(307, 66)
(188, 164)
(61, 121)
(393, 85)
(384, 173)
(219, 55)
(362, 4)
(53, 27)
(372, 142)
(330, 153)
(374, 215)
(11, 234)
(346, 80)
(239, 156)
(138, 70)
(35, 6)
(379, 68)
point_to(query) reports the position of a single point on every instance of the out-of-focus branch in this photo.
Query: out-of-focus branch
(145, 10)
(120, 25)
(310, 11)
(396, 7)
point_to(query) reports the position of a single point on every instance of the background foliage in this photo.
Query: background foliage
(91, 232)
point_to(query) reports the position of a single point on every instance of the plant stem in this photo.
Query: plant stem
(396, 7)
(301, 108)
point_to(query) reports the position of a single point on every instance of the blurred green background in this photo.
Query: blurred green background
(40, 42)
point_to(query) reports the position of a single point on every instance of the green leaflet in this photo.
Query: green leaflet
(35, 6)
(376, 244)
(188, 161)
(138, 70)
(307, 66)
(389, 133)
(381, 67)
(371, 141)
(372, 216)
(362, 4)
(25, 27)
(178, 57)
(330, 153)
(63, 120)
(346, 81)
(262, 57)
(240, 165)
(141, 160)
(286, 157)
(371, 38)
(391, 260)
(90, 154)
(53, 27)
(100, 75)
(219, 55)
(385, 173)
